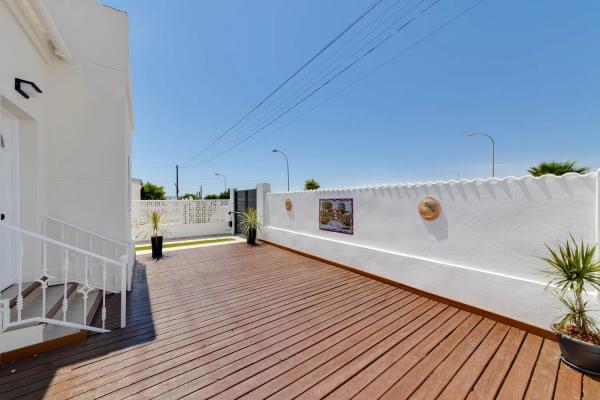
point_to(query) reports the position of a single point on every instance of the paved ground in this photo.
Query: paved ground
(254, 322)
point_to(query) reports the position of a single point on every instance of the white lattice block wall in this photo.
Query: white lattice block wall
(182, 217)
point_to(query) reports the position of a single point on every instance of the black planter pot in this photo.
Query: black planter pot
(251, 238)
(580, 355)
(157, 242)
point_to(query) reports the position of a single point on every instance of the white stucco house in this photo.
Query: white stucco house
(65, 151)
(136, 189)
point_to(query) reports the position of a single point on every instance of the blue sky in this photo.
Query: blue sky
(527, 73)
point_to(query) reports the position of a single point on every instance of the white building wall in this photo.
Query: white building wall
(76, 136)
(483, 249)
(136, 189)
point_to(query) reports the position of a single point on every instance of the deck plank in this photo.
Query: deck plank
(237, 321)
(404, 387)
(443, 374)
(494, 374)
(374, 381)
(568, 385)
(591, 388)
(516, 383)
(543, 381)
(466, 377)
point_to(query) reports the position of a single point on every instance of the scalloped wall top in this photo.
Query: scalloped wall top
(449, 182)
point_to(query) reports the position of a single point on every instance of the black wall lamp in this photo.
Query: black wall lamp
(27, 89)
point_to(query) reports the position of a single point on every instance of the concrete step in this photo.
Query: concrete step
(12, 291)
(75, 314)
(78, 312)
(33, 302)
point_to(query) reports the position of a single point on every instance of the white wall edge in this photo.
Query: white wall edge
(419, 258)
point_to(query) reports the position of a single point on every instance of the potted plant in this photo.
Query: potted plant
(153, 227)
(573, 269)
(249, 225)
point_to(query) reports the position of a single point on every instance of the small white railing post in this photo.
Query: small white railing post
(62, 239)
(116, 276)
(4, 314)
(104, 295)
(45, 277)
(44, 248)
(123, 293)
(20, 262)
(65, 303)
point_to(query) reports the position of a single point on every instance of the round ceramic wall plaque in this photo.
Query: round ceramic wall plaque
(429, 208)
(288, 204)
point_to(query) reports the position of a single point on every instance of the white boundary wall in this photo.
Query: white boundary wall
(182, 218)
(482, 250)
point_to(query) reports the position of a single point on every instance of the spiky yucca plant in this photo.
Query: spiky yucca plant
(572, 267)
(249, 221)
(154, 221)
(152, 227)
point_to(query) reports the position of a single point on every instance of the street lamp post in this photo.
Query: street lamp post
(287, 164)
(225, 179)
(493, 149)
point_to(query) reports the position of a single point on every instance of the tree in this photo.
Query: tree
(222, 195)
(151, 191)
(190, 196)
(556, 168)
(311, 184)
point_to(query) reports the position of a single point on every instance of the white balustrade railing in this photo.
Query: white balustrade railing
(93, 265)
(175, 212)
(85, 239)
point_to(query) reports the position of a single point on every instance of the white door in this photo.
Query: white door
(8, 185)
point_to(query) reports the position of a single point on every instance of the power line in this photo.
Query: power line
(312, 93)
(376, 69)
(356, 20)
(319, 78)
(299, 81)
(298, 90)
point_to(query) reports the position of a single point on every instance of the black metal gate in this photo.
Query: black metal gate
(244, 199)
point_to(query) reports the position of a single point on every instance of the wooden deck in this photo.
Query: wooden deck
(234, 321)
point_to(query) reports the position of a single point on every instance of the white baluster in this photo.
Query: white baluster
(77, 256)
(116, 275)
(123, 294)
(62, 239)
(44, 286)
(45, 278)
(44, 247)
(20, 295)
(65, 304)
(86, 289)
(104, 295)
